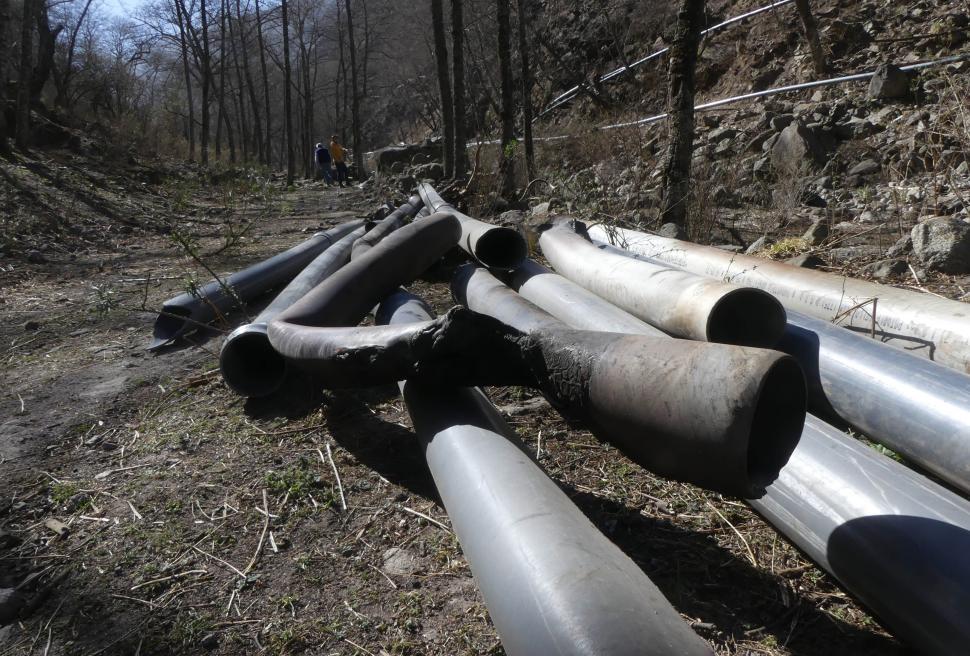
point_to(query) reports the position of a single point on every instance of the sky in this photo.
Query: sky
(121, 8)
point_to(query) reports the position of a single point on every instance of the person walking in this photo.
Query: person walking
(322, 158)
(339, 154)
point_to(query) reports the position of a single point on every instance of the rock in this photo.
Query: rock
(761, 167)
(730, 248)
(885, 268)
(672, 231)
(757, 246)
(511, 218)
(943, 244)
(754, 146)
(779, 123)
(11, 602)
(400, 562)
(8, 540)
(849, 253)
(888, 83)
(407, 155)
(796, 149)
(722, 134)
(866, 167)
(36, 257)
(432, 171)
(31, 325)
(903, 246)
(817, 233)
(541, 208)
(806, 261)
(209, 641)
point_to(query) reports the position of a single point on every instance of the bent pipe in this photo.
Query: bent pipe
(925, 325)
(677, 302)
(249, 364)
(916, 407)
(494, 246)
(187, 312)
(856, 513)
(722, 417)
(552, 582)
(387, 225)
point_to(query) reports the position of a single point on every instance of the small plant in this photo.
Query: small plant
(788, 247)
(104, 299)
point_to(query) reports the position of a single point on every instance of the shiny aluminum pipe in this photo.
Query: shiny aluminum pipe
(494, 246)
(387, 225)
(918, 408)
(250, 365)
(552, 582)
(722, 417)
(188, 312)
(894, 539)
(679, 303)
(932, 327)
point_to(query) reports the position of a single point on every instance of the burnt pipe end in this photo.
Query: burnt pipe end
(776, 425)
(747, 317)
(170, 324)
(501, 248)
(249, 363)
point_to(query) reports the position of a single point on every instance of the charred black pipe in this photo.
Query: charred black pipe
(679, 303)
(894, 539)
(387, 225)
(188, 312)
(722, 417)
(249, 363)
(494, 246)
(552, 582)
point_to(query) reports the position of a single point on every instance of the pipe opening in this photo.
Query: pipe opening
(501, 248)
(747, 317)
(250, 365)
(169, 324)
(777, 424)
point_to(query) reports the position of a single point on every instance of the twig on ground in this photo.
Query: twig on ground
(262, 536)
(340, 487)
(427, 517)
(754, 561)
(220, 560)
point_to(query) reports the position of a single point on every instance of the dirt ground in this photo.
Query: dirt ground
(146, 509)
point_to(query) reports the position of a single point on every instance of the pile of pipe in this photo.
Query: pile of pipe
(693, 377)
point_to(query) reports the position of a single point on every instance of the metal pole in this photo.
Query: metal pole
(188, 312)
(553, 583)
(894, 539)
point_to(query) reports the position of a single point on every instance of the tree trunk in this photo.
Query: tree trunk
(206, 82)
(257, 134)
(23, 78)
(355, 101)
(288, 97)
(4, 26)
(811, 35)
(680, 107)
(63, 80)
(46, 39)
(268, 149)
(458, 73)
(188, 76)
(506, 162)
(444, 87)
(530, 160)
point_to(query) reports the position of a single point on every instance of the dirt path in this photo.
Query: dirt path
(199, 523)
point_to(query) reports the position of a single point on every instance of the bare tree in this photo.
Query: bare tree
(254, 103)
(680, 106)
(4, 26)
(23, 78)
(183, 44)
(811, 35)
(64, 74)
(530, 159)
(506, 163)
(206, 58)
(355, 90)
(444, 86)
(287, 97)
(261, 46)
(458, 73)
(46, 40)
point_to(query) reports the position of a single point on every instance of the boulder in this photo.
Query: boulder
(888, 83)
(903, 246)
(817, 233)
(866, 167)
(757, 246)
(431, 171)
(408, 155)
(943, 244)
(672, 230)
(806, 261)
(797, 148)
(885, 268)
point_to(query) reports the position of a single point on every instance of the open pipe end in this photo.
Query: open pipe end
(170, 324)
(501, 248)
(747, 317)
(249, 363)
(777, 424)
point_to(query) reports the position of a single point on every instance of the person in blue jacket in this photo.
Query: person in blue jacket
(321, 155)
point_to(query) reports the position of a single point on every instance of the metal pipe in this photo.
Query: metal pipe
(552, 582)
(917, 408)
(925, 325)
(894, 539)
(188, 312)
(250, 365)
(722, 417)
(494, 246)
(677, 302)
(387, 225)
